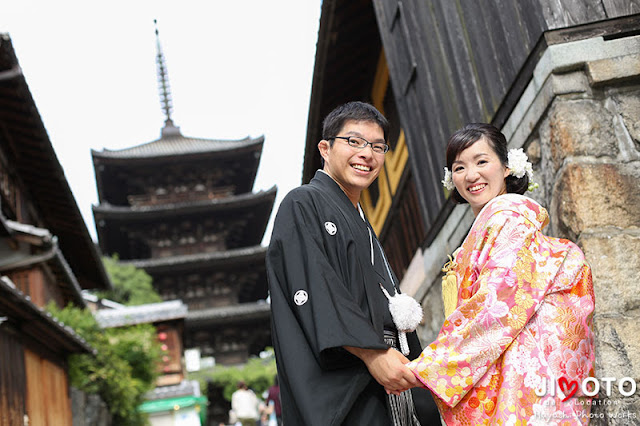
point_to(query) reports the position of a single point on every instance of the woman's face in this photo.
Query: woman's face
(479, 175)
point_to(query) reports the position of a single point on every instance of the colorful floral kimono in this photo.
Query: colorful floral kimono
(520, 341)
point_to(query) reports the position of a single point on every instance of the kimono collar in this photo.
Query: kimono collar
(326, 182)
(525, 206)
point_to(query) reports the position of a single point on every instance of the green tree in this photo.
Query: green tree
(257, 373)
(123, 368)
(131, 286)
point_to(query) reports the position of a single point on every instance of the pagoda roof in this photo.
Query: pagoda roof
(178, 145)
(225, 258)
(36, 324)
(108, 211)
(141, 314)
(260, 310)
(38, 168)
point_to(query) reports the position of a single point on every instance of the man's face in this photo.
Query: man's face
(354, 169)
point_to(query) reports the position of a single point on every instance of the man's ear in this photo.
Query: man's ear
(323, 147)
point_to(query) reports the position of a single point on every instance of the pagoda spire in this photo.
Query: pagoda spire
(169, 128)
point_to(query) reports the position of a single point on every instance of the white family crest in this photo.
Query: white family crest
(301, 297)
(331, 228)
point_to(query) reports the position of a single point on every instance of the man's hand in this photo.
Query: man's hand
(388, 368)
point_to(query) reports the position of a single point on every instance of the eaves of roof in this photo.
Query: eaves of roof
(141, 314)
(178, 146)
(260, 310)
(241, 201)
(234, 256)
(38, 324)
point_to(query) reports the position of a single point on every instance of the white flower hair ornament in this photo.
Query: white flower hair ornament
(517, 163)
(447, 182)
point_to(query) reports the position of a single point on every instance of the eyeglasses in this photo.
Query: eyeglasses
(361, 143)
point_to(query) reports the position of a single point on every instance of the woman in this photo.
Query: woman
(519, 343)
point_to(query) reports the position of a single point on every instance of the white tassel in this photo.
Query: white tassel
(404, 344)
(406, 313)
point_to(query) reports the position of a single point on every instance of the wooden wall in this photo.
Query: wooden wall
(39, 284)
(454, 62)
(32, 386)
(47, 394)
(12, 381)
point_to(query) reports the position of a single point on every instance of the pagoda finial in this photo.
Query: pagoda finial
(169, 128)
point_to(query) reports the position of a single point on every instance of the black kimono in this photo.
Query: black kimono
(325, 294)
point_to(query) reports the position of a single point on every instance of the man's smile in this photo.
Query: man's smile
(361, 167)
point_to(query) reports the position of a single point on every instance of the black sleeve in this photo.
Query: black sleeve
(297, 261)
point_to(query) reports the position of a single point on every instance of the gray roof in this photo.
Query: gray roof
(141, 314)
(232, 201)
(53, 255)
(27, 229)
(214, 257)
(38, 323)
(233, 313)
(184, 388)
(178, 145)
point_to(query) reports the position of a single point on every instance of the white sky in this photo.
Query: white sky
(236, 68)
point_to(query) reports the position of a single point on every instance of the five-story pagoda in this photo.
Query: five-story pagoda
(182, 209)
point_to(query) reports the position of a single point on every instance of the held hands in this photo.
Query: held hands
(388, 368)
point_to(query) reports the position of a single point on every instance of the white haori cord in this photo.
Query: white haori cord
(406, 312)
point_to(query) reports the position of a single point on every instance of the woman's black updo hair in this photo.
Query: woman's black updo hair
(470, 134)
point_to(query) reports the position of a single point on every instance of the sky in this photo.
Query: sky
(236, 69)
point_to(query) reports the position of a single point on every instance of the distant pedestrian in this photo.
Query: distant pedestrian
(273, 395)
(245, 405)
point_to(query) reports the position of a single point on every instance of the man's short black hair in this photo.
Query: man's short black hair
(353, 111)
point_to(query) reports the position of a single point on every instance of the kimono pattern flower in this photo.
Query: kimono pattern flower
(523, 320)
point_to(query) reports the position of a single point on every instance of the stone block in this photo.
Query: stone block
(611, 70)
(415, 275)
(581, 127)
(78, 402)
(615, 265)
(617, 346)
(588, 195)
(616, 411)
(629, 108)
(433, 310)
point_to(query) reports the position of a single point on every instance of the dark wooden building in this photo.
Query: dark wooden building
(46, 255)
(182, 208)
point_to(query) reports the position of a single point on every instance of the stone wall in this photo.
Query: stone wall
(88, 409)
(579, 121)
(594, 152)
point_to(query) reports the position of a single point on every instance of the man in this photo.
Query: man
(325, 270)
